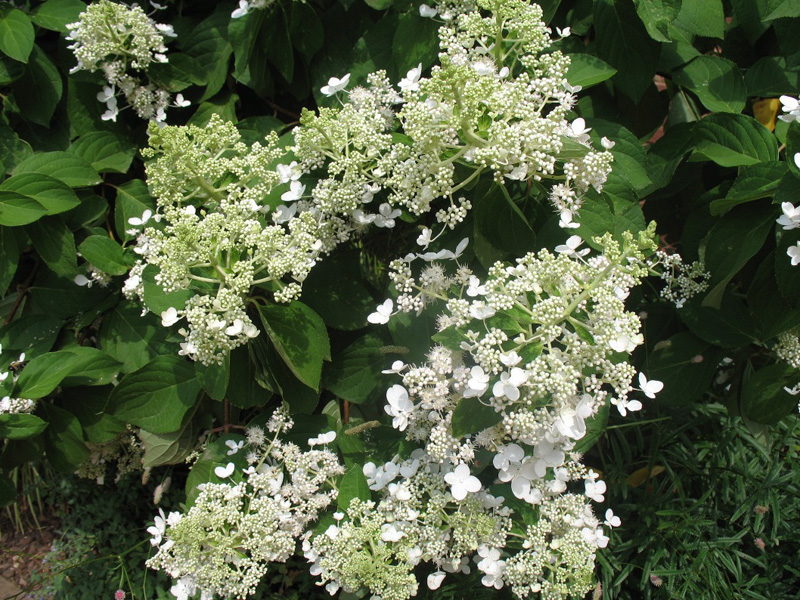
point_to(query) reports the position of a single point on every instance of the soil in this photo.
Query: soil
(22, 551)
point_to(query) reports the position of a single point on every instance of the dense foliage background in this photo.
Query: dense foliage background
(704, 478)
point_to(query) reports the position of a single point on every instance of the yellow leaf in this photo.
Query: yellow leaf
(765, 112)
(637, 478)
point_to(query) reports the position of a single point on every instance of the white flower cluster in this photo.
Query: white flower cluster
(216, 239)
(543, 344)
(497, 103)
(225, 542)
(683, 281)
(788, 347)
(115, 39)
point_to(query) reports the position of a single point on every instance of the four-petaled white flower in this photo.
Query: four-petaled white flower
(296, 190)
(509, 383)
(461, 482)
(570, 247)
(477, 383)
(427, 12)
(650, 388)
(625, 343)
(386, 216)
(793, 252)
(475, 288)
(611, 519)
(400, 406)
(158, 528)
(790, 219)
(138, 222)
(225, 472)
(169, 317)
(335, 85)
(234, 446)
(383, 313)
(508, 455)
(435, 579)
(624, 405)
(595, 489)
(181, 102)
(411, 81)
(244, 7)
(563, 32)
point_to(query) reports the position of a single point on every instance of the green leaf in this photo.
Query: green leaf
(64, 441)
(38, 91)
(771, 312)
(355, 373)
(686, 366)
(753, 183)
(34, 335)
(595, 427)
(156, 299)
(214, 377)
(55, 196)
(55, 243)
(769, 76)
(208, 44)
(717, 82)
(61, 297)
(600, 214)
(763, 398)
(300, 397)
(352, 485)
(586, 70)
(131, 338)
(8, 490)
(300, 337)
(157, 396)
(168, 448)
(501, 222)
(9, 258)
(630, 159)
(337, 294)
(105, 151)
(733, 141)
(415, 42)
(749, 15)
(472, 416)
(90, 367)
(16, 33)
(626, 46)
(20, 426)
(44, 373)
(657, 15)
(702, 17)
(56, 14)
(243, 388)
(17, 209)
(89, 404)
(782, 9)
(736, 238)
(64, 166)
(728, 326)
(104, 253)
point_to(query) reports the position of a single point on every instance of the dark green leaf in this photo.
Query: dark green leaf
(20, 426)
(90, 367)
(104, 253)
(657, 15)
(630, 159)
(352, 485)
(131, 338)
(753, 183)
(64, 166)
(54, 195)
(600, 214)
(772, 313)
(586, 70)
(300, 337)
(717, 82)
(733, 141)
(244, 390)
(626, 46)
(17, 209)
(156, 299)
(214, 377)
(9, 258)
(105, 151)
(782, 9)
(132, 200)
(157, 396)
(472, 416)
(38, 91)
(355, 373)
(34, 335)
(64, 442)
(61, 297)
(728, 326)
(55, 243)
(415, 42)
(168, 448)
(8, 491)
(702, 17)
(44, 373)
(769, 76)
(56, 14)
(764, 399)
(502, 223)
(16, 33)
(686, 366)
(786, 274)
